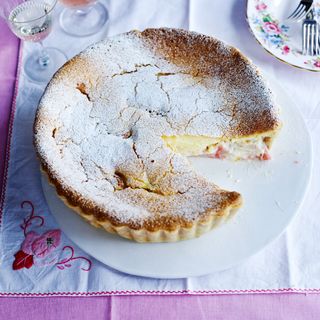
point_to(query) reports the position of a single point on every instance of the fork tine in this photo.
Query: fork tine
(312, 38)
(317, 40)
(301, 15)
(308, 39)
(295, 11)
(308, 9)
(304, 39)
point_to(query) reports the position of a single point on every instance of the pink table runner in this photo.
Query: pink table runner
(9, 47)
(263, 307)
(279, 306)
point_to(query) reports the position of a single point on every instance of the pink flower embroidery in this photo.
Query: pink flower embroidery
(36, 249)
(40, 249)
(261, 6)
(271, 28)
(48, 260)
(27, 243)
(285, 50)
(317, 64)
(46, 243)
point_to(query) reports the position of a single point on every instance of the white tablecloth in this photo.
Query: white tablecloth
(292, 261)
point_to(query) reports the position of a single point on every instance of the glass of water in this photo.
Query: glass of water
(31, 20)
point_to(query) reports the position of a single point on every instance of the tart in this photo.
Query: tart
(116, 123)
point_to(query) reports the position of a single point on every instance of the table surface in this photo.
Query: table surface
(205, 16)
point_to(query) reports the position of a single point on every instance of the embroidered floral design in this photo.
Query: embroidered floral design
(41, 249)
(271, 31)
(22, 260)
(65, 262)
(41, 245)
(36, 248)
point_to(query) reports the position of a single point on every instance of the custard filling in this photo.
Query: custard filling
(255, 147)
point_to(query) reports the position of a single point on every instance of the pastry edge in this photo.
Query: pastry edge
(143, 235)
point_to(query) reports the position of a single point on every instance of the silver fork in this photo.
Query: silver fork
(301, 11)
(310, 35)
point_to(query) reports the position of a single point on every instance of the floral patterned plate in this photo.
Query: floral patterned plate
(277, 35)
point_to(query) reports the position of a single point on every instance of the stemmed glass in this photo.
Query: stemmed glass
(31, 20)
(82, 18)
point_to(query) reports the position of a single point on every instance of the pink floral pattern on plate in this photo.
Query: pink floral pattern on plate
(313, 62)
(43, 249)
(274, 35)
(271, 31)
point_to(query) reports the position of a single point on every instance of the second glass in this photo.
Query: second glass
(83, 18)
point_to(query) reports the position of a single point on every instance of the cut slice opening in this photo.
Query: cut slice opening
(238, 148)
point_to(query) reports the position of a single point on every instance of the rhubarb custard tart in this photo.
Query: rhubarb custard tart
(116, 123)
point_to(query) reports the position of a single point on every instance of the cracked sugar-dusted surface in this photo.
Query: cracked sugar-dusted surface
(100, 124)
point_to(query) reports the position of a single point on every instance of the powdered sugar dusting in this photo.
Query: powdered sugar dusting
(100, 122)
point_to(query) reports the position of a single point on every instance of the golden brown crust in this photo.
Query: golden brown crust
(164, 233)
(202, 55)
(87, 207)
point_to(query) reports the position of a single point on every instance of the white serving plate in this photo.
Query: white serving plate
(279, 36)
(272, 190)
